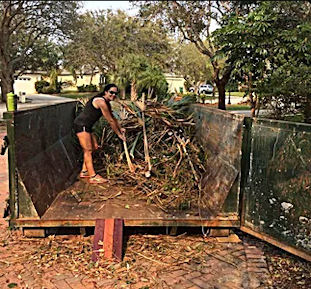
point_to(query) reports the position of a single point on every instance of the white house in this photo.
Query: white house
(175, 83)
(25, 83)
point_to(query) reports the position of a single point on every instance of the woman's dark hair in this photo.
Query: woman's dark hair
(106, 88)
(110, 85)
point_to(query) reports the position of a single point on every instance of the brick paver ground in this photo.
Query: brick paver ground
(224, 266)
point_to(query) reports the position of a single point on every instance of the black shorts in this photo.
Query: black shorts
(79, 128)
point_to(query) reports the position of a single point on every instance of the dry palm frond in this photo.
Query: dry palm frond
(162, 142)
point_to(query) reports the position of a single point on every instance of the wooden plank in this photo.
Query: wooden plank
(216, 232)
(35, 233)
(108, 238)
(98, 237)
(118, 239)
(230, 221)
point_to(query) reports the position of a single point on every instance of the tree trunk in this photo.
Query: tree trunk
(6, 75)
(7, 81)
(221, 85)
(133, 91)
(122, 93)
(150, 92)
(92, 75)
(253, 108)
(252, 98)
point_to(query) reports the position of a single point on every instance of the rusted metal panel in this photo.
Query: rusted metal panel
(45, 156)
(221, 135)
(277, 183)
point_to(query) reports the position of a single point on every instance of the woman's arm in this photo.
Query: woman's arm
(119, 126)
(113, 122)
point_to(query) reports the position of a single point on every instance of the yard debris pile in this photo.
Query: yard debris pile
(161, 159)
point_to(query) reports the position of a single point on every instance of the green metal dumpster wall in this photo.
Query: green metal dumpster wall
(277, 182)
(43, 156)
(221, 135)
(44, 159)
(268, 161)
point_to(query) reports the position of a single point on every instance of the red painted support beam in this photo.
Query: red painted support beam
(110, 232)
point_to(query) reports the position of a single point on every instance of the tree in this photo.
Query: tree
(287, 91)
(23, 26)
(107, 40)
(192, 65)
(129, 68)
(265, 40)
(154, 81)
(193, 20)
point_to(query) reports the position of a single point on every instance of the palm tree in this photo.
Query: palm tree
(153, 80)
(129, 69)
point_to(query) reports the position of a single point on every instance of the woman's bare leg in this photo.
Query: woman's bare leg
(85, 139)
(84, 168)
(94, 142)
(94, 147)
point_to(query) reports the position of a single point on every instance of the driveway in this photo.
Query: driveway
(36, 100)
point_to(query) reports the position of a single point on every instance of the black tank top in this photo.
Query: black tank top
(90, 114)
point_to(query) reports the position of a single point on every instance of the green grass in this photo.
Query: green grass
(295, 118)
(235, 93)
(237, 107)
(75, 95)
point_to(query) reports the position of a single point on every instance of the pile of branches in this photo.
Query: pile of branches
(161, 157)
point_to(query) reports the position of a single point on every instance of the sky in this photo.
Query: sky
(123, 5)
(114, 5)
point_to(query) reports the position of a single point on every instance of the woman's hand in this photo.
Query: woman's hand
(122, 136)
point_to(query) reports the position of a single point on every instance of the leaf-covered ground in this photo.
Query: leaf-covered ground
(286, 270)
(148, 256)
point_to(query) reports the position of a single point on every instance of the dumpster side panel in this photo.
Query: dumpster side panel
(46, 152)
(26, 208)
(277, 189)
(221, 136)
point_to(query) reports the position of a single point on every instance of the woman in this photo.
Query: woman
(97, 106)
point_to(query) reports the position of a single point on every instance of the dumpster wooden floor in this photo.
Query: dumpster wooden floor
(83, 201)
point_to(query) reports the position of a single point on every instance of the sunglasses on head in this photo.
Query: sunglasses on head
(113, 92)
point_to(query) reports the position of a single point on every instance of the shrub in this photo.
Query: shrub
(48, 90)
(40, 85)
(91, 88)
(81, 88)
(87, 88)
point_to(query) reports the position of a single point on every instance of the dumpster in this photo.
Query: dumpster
(247, 177)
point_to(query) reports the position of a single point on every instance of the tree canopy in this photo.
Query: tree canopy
(109, 40)
(267, 43)
(194, 66)
(25, 29)
(193, 20)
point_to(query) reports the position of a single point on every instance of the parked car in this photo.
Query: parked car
(203, 89)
